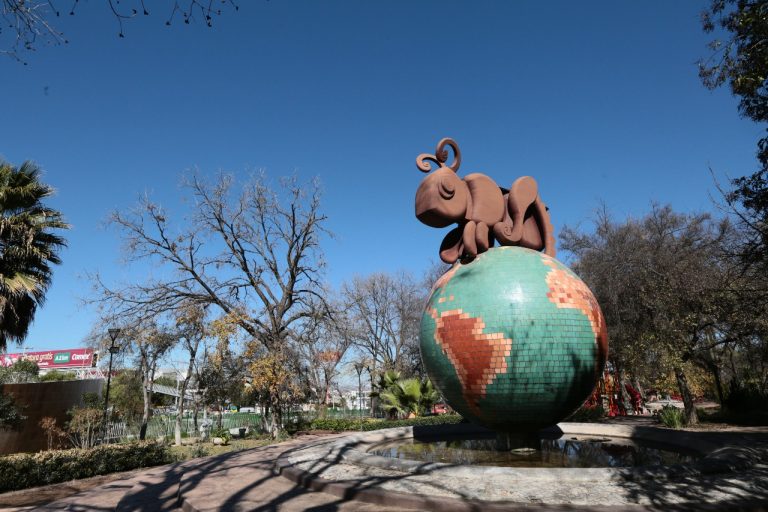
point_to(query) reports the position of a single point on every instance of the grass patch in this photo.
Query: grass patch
(186, 452)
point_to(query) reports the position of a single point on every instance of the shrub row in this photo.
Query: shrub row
(24, 470)
(342, 424)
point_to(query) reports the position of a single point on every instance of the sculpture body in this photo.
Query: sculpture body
(484, 211)
(512, 338)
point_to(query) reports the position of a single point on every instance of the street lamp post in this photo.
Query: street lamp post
(113, 349)
(359, 367)
(370, 402)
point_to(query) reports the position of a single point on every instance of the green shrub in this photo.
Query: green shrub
(342, 424)
(222, 433)
(57, 375)
(24, 470)
(671, 416)
(336, 424)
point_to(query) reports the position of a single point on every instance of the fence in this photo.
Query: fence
(163, 425)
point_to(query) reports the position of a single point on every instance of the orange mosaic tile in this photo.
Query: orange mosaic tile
(567, 291)
(477, 357)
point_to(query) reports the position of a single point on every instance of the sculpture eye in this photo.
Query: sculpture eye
(446, 189)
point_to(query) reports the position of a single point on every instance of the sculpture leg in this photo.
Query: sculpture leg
(470, 241)
(452, 246)
(481, 237)
(523, 192)
(545, 227)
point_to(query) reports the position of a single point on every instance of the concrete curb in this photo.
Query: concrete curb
(421, 502)
(715, 459)
(351, 449)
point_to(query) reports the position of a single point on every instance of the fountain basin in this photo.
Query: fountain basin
(567, 451)
(722, 472)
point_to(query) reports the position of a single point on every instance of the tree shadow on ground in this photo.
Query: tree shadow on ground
(247, 480)
(209, 480)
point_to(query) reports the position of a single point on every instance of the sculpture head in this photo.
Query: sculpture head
(442, 197)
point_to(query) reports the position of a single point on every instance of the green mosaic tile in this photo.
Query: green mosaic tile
(506, 342)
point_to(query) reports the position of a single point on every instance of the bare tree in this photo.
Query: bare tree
(27, 24)
(254, 255)
(149, 342)
(222, 377)
(385, 312)
(192, 332)
(322, 346)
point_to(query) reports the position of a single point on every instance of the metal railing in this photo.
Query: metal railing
(163, 425)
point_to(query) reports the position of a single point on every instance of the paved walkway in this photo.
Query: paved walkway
(243, 481)
(231, 482)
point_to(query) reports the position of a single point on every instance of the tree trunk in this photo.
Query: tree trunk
(264, 415)
(276, 419)
(149, 378)
(326, 392)
(184, 384)
(718, 383)
(180, 415)
(691, 418)
(626, 400)
(177, 425)
(144, 420)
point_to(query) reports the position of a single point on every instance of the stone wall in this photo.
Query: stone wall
(42, 399)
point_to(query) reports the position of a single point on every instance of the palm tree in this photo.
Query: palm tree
(388, 379)
(28, 248)
(409, 396)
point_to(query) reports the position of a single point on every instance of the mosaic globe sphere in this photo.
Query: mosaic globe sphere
(514, 340)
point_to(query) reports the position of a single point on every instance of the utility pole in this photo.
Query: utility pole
(359, 367)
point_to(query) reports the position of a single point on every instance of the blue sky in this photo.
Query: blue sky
(597, 101)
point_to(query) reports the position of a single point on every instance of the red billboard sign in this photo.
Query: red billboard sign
(69, 358)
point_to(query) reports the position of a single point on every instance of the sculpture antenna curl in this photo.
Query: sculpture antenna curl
(440, 156)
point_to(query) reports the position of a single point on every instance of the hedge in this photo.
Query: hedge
(342, 424)
(23, 470)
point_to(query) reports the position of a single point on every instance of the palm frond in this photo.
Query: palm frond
(28, 247)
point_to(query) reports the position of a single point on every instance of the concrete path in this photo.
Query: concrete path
(731, 473)
(247, 480)
(231, 482)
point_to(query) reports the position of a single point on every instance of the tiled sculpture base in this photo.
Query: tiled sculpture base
(514, 340)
